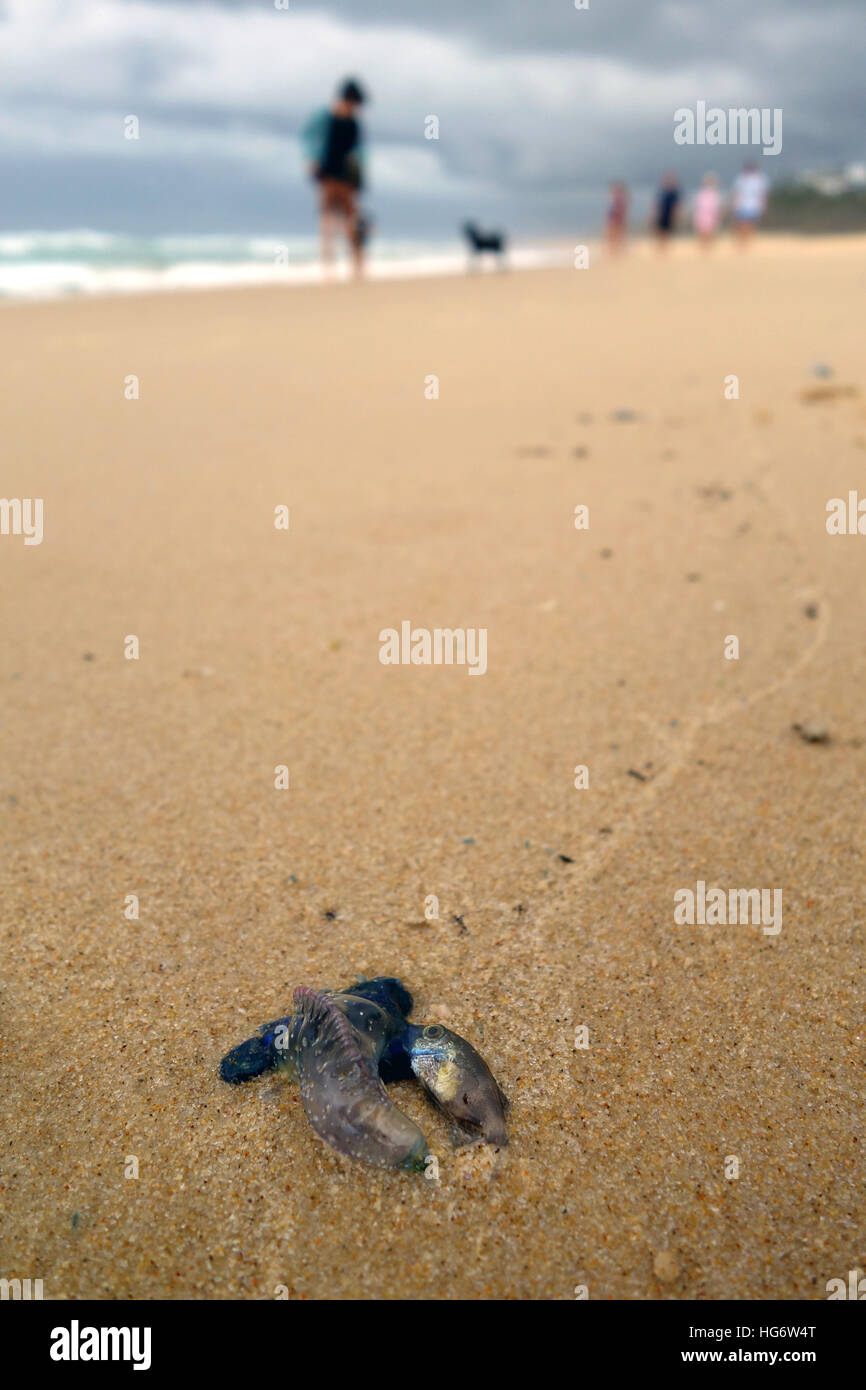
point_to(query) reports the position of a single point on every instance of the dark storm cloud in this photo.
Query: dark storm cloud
(539, 103)
(650, 31)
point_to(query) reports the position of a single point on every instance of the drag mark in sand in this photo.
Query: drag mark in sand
(682, 750)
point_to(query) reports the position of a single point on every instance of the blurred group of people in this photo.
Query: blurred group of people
(745, 206)
(333, 145)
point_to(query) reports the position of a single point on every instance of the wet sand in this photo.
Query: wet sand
(259, 647)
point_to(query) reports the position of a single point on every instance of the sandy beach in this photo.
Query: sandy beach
(259, 648)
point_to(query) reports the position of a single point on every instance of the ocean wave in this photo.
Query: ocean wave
(52, 265)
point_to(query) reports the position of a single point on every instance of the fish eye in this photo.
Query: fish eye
(433, 1031)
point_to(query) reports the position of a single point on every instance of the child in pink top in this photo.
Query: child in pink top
(707, 211)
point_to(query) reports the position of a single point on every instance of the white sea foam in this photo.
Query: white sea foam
(57, 265)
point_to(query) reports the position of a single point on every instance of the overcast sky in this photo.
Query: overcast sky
(539, 104)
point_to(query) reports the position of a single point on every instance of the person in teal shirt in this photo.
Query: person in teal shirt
(332, 141)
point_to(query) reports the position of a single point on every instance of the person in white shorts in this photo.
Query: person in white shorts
(748, 202)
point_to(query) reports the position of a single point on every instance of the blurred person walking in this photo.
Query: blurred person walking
(616, 218)
(666, 214)
(748, 202)
(333, 146)
(707, 211)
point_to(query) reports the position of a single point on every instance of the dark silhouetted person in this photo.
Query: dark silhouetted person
(667, 210)
(333, 145)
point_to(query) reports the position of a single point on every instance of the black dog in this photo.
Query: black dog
(484, 241)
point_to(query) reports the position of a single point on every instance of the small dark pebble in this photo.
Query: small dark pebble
(715, 492)
(625, 416)
(88, 656)
(74, 1220)
(693, 576)
(605, 830)
(468, 840)
(331, 916)
(639, 775)
(566, 858)
(812, 731)
(606, 553)
(811, 610)
(460, 922)
(580, 452)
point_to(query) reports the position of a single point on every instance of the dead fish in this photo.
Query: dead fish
(458, 1079)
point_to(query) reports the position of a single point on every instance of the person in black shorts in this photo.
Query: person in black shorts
(336, 167)
(667, 210)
